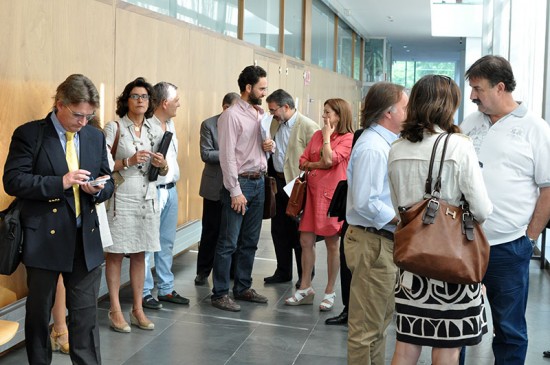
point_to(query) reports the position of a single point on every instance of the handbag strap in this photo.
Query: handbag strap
(433, 205)
(39, 139)
(437, 187)
(115, 142)
(304, 177)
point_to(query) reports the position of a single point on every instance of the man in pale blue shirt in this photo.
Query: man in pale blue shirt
(165, 110)
(368, 243)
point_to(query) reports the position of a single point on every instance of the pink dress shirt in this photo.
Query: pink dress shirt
(240, 141)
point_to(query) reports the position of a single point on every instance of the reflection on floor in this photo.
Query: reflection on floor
(266, 333)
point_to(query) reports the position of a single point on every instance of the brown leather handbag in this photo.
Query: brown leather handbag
(270, 208)
(297, 200)
(438, 240)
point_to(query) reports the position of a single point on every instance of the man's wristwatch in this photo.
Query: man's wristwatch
(533, 242)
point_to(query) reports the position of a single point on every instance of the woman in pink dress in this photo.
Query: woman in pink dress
(326, 157)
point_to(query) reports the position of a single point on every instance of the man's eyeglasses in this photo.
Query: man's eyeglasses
(88, 117)
(137, 96)
(272, 111)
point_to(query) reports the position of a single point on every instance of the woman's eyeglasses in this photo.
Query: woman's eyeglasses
(138, 96)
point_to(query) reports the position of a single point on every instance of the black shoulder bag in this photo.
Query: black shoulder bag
(11, 233)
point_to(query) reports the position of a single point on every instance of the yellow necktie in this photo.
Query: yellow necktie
(72, 162)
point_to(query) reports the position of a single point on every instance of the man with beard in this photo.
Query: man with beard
(243, 162)
(512, 145)
(292, 132)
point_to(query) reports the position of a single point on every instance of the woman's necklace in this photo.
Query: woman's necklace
(137, 128)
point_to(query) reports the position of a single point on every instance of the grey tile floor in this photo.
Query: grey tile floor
(266, 333)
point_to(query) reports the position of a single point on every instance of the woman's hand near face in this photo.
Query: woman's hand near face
(327, 130)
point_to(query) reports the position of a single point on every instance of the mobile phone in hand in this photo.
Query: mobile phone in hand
(99, 181)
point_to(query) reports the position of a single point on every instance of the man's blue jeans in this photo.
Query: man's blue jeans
(507, 284)
(168, 202)
(238, 233)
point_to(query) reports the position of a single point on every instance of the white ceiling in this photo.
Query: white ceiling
(410, 26)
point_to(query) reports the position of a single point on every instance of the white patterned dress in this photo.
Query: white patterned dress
(133, 210)
(431, 312)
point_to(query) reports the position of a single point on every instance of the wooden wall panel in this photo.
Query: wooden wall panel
(42, 43)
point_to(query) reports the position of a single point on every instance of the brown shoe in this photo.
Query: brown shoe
(250, 295)
(226, 303)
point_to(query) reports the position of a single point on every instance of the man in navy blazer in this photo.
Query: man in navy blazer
(61, 237)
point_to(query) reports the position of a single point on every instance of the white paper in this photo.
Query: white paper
(104, 230)
(266, 125)
(288, 187)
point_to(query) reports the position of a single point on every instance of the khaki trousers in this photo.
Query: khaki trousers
(372, 301)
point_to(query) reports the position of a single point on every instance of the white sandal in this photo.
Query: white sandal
(328, 302)
(301, 297)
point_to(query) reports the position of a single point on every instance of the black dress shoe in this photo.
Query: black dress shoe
(341, 319)
(276, 279)
(150, 302)
(201, 279)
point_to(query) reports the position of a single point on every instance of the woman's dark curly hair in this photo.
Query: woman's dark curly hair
(122, 100)
(433, 101)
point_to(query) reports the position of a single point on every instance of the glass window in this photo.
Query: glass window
(357, 58)
(261, 23)
(322, 35)
(374, 60)
(158, 6)
(220, 16)
(345, 47)
(293, 28)
(406, 73)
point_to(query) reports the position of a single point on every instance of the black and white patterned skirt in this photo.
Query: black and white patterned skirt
(438, 314)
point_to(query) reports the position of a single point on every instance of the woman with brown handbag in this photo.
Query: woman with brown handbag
(326, 158)
(434, 313)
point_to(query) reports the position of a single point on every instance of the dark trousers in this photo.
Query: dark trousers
(211, 218)
(507, 287)
(345, 273)
(82, 292)
(285, 235)
(239, 236)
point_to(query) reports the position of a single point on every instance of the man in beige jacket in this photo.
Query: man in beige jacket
(292, 132)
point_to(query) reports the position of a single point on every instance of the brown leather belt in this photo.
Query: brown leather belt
(280, 175)
(381, 232)
(251, 175)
